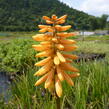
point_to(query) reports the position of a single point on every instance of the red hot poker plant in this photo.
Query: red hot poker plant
(54, 45)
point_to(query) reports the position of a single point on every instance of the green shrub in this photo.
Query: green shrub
(17, 55)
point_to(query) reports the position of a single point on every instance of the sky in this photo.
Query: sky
(92, 7)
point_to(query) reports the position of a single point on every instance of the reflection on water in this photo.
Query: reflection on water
(5, 91)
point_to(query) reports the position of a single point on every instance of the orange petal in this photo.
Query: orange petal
(43, 30)
(49, 22)
(55, 40)
(54, 17)
(68, 67)
(74, 75)
(41, 48)
(70, 56)
(46, 18)
(43, 62)
(42, 37)
(56, 60)
(48, 82)
(41, 80)
(38, 37)
(69, 48)
(60, 56)
(65, 34)
(51, 88)
(62, 17)
(67, 41)
(62, 28)
(46, 43)
(45, 53)
(58, 86)
(43, 26)
(44, 69)
(60, 46)
(50, 29)
(59, 73)
(69, 61)
(68, 79)
(60, 22)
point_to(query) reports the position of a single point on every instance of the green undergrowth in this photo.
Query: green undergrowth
(91, 90)
(17, 55)
(102, 38)
(93, 47)
(16, 34)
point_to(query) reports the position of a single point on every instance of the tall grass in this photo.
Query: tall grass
(93, 47)
(91, 90)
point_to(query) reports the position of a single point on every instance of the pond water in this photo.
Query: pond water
(4, 34)
(5, 86)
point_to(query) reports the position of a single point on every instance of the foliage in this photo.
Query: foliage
(17, 55)
(91, 90)
(25, 15)
(93, 47)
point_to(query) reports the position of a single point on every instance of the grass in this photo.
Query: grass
(93, 47)
(9, 36)
(91, 89)
(97, 38)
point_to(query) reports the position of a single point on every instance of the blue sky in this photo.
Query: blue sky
(92, 7)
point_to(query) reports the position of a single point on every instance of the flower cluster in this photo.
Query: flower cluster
(54, 45)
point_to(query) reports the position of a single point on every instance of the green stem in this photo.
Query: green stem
(58, 106)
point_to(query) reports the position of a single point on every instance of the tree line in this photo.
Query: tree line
(25, 15)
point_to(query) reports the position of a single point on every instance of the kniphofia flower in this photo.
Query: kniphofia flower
(54, 45)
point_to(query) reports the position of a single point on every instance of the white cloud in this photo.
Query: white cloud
(95, 7)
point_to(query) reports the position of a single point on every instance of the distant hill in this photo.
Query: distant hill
(25, 15)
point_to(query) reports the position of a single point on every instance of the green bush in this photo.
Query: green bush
(17, 55)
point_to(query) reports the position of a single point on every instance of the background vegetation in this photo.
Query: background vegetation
(25, 15)
(91, 89)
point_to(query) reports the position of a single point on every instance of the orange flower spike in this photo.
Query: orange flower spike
(52, 46)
